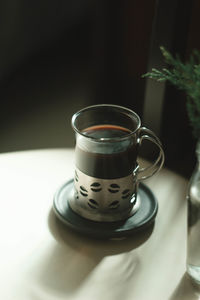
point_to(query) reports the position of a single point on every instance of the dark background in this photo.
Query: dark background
(59, 56)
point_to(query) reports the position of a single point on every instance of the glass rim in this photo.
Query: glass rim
(124, 110)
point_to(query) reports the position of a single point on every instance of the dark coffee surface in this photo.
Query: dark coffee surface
(106, 131)
(109, 160)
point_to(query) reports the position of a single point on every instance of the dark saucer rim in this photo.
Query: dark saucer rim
(107, 229)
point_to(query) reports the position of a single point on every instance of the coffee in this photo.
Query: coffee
(102, 159)
(108, 139)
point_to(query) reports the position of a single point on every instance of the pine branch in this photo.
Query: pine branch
(185, 77)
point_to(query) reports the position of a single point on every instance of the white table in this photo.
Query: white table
(41, 259)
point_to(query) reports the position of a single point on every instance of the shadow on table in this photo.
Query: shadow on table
(186, 290)
(103, 247)
(71, 261)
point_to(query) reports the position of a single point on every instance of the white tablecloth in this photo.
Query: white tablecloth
(41, 259)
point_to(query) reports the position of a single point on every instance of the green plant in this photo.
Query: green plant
(186, 77)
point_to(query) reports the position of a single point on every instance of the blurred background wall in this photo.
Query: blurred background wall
(58, 56)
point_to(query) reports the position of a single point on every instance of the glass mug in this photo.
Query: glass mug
(108, 138)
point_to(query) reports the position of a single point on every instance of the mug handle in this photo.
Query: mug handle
(147, 134)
